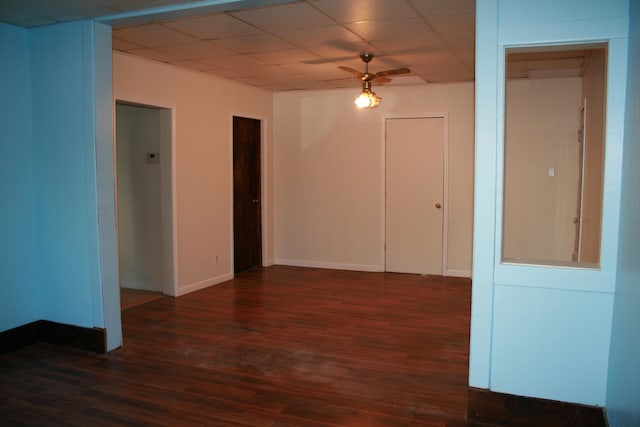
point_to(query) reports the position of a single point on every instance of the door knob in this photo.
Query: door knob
(438, 206)
(255, 200)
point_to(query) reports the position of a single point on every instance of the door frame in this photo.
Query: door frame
(168, 188)
(445, 185)
(263, 189)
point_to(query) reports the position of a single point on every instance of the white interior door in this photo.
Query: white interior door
(414, 195)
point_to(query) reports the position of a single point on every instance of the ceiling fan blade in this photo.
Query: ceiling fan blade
(392, 72)
(352, 71)
(381, 79)
(344, 79)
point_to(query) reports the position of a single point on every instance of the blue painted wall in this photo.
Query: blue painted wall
(18, 288)
(49, 252)
(58, 261)
(623, 394)
(65, 173)
(109, 289)
(542, 331)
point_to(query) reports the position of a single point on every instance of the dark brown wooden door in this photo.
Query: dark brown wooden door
(247, 224)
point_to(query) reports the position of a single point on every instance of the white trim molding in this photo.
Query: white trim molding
(187, 289)
(329, 265)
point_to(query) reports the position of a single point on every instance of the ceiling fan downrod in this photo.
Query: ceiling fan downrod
(366, 58)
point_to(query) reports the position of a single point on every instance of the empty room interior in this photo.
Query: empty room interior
(320, 212)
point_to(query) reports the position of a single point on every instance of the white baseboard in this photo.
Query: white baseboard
(328, 265)
(354, 267)
(269, 262)
(187, 289)
(458, 273)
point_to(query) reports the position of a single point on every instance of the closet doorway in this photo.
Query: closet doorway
(144, 201)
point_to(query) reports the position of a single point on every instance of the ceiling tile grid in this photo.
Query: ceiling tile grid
(289, 46)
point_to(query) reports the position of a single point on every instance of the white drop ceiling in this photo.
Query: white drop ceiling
(558, 62)
(289, 46)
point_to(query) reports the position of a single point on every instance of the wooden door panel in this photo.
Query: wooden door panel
(247, 228)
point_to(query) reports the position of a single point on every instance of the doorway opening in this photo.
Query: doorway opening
(247, 190)
(144, 202)
(415, 205)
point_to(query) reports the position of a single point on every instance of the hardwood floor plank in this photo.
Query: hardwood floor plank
(277, 346)
(281, 346)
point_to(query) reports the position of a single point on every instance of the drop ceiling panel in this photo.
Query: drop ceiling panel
(556, 64)
(317, 71)
(283, 18)
(299, 81)
(215, 26)
(544, 64)
(190, 64)
(275, 73)
(435, 57)
(197, 50)
(242, 63)
(435, 38)
(152, 35)
(253, 81)
(405, 81)
(444, 73)
(394, 46)
(287, 56)
(254, 44)
(229, 73)
(154, 54)
(333, 35)
(337, 50)
(414, 59)
(439, 7)
(346, 12)
(119, 44)
(394, 29)
(452, 25)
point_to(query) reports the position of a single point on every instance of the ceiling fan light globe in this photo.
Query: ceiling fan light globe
(363, 100)
(375, 100)
(367, 99)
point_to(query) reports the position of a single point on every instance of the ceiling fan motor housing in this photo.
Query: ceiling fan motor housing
(366, 57)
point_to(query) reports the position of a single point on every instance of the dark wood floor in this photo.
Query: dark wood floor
(275, 347)
(281, 346)
(133, 297)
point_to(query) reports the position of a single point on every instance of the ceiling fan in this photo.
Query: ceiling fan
(368, 99)
(380, 76)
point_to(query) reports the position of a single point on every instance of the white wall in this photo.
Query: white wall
(203, 107)
(329, 173)
(541, 133)
(140, 246)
